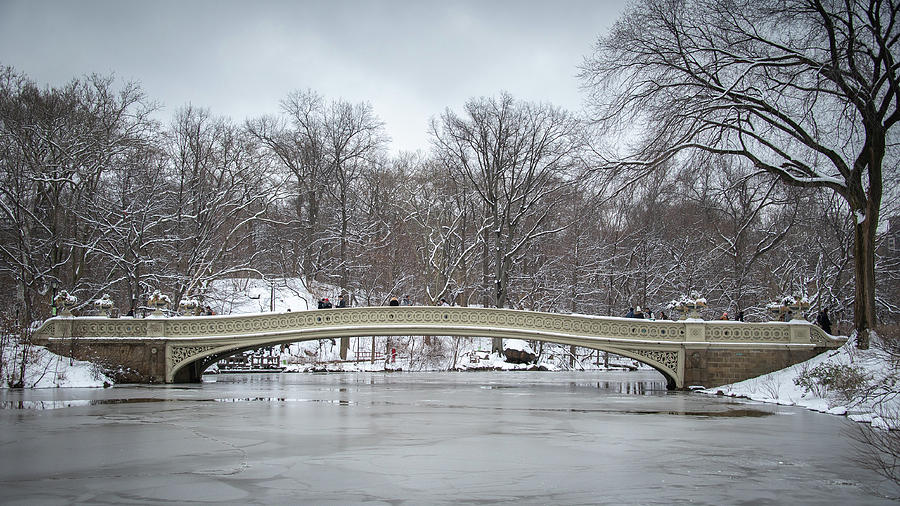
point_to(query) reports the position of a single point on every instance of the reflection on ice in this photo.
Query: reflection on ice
(57, 404)
(421, 438)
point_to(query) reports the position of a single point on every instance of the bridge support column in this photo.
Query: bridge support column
(345, 345)
(713, 367)
(123, 360)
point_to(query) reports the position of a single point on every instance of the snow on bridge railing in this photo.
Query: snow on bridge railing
(433, 320)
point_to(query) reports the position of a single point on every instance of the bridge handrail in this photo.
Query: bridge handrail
(432, 320)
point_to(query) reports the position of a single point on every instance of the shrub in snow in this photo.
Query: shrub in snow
(687, 301)
(689, 304)
(847, 381)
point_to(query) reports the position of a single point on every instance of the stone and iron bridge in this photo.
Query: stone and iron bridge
(687, 352)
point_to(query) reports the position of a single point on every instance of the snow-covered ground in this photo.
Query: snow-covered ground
(44, 369)
(240, 296)
(880, 407)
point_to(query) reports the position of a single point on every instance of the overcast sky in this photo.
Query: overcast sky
(409, 59)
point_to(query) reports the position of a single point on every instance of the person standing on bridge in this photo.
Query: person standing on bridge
(342, 301)
(823, 321)
(406, 301)
(394, 301)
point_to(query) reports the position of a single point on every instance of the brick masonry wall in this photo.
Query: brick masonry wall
(715, 367)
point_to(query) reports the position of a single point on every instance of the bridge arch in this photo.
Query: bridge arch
(191, 367)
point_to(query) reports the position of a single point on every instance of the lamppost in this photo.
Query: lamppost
(54, 286)
(272, 297)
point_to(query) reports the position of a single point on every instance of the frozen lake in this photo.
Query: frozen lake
(422, 438)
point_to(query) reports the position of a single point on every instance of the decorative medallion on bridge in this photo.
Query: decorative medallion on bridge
(747, 332)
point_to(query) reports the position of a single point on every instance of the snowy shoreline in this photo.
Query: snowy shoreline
(781, 387)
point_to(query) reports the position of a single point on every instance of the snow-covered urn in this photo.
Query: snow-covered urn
(64, 303)
(688, 305)
(788, 307)
(189, 306)
(159, 301)
(104, 303)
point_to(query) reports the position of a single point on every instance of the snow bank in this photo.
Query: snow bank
(780, 388)
(44, 369)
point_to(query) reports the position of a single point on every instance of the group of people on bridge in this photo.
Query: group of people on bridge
(822, 319)
(639, 313)
(324, 303)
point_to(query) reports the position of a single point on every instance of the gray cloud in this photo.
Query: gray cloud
(410, 59)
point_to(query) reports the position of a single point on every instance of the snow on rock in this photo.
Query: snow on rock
(518, 351)
(518, 345)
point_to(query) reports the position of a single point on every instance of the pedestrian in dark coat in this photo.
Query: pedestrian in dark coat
(394, 302)
(823, 321)
(342, 301)
(630, 313)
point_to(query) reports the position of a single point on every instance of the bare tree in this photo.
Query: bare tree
(219, 189)
(444, 219)
(354, 138)
(517, 157)
(56, 146)
(803, 89)
(128, 217)
(750, 214)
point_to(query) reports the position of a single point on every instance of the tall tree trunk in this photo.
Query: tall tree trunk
(865, 230)
(864, 264)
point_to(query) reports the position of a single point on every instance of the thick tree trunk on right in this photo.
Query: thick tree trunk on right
(864, 269)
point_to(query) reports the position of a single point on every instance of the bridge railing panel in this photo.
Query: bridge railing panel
(432, 320)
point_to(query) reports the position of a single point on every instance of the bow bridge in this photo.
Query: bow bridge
(687, 352)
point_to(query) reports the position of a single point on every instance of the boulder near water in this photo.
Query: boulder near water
(518, 351)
